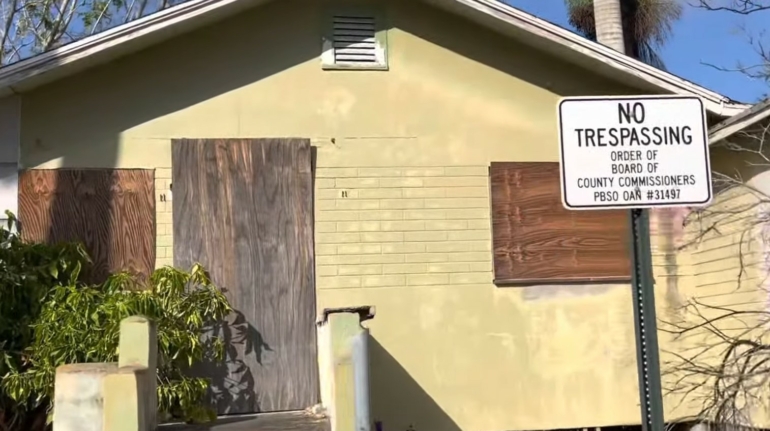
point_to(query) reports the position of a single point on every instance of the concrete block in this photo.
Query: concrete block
(79, 396)
(125, 400)
(452, 203)
(381, 215)
(139, 347)
(404, 248)
(357, 183)
(480, 181)
(336, 172)
(401, 182)
(338, 282)
(384, 281)
(428, 279)
(382, 237)
(359, 249)
(382, 258)
(356, 204)
(425, 236)
(480, 171)
(360, 270)
(401, 204)
(400, 226)
(470, 235)
(348, 259)
(432, 192)
(324, 183)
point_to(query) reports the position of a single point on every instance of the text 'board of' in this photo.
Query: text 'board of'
(633, 152)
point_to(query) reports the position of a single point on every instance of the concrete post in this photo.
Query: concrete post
(79, 396)
(139, 348)
(125, 400)
(342, 327)
(344, 367)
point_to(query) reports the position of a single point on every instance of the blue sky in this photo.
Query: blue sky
(699, 37)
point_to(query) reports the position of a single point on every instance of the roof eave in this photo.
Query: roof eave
(740, 122)
(117, 41)
(142, 32)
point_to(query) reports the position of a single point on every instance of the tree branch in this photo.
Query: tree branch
(740, 7)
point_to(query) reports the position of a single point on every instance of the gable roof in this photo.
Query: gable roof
(152, 29)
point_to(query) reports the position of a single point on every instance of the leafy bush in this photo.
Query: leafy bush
(51, 319)
(27, 273)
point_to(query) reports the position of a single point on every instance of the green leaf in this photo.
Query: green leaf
(49, 317)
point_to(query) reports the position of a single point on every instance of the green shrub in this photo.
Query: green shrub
(27, 274)
(50, 318)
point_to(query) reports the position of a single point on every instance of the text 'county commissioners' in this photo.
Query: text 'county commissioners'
(635, 152)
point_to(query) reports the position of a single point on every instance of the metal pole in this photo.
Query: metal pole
(360, 347)
(648, 362)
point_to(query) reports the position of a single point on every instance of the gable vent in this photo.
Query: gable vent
(354, 40)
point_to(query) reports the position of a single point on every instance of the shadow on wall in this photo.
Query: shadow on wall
(72, 205)
(232, 389)
(202, 65)
(80, 211)
(398, 397)
(151, 84)
(62, 206)
(111, 212)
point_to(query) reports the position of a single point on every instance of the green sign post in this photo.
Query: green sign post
(647, 361)
(636, 153)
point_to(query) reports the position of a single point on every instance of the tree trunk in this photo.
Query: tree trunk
(609, 24)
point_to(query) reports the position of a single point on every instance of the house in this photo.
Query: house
(315, 154)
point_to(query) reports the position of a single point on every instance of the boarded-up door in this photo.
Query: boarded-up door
(244, 210)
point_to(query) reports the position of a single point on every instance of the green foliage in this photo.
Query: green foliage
(30, 27)
(49, 318)
(27, 273)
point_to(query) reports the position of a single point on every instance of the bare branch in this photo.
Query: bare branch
(29, 27)
(720, 365)
(740, 7)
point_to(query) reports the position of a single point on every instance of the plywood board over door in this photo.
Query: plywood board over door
(244, 210)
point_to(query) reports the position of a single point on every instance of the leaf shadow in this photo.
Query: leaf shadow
(232, 387)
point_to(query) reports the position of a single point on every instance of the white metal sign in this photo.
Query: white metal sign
(633, 152)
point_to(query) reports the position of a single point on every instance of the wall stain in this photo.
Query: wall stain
(558, 291)
(667, 226)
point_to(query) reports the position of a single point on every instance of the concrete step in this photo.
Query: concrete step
(283, 421)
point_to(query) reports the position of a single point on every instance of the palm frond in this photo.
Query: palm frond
(647, 54)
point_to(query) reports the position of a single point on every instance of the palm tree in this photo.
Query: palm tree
(646, 24)
(609, 25)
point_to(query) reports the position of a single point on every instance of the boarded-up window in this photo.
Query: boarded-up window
(535, 239)
(111, 211)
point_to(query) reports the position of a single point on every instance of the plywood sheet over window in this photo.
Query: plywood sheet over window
(536, 240)
(111, 211)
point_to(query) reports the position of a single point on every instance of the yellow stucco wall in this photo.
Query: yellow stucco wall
(411, 147)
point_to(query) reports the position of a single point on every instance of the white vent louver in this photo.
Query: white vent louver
(355, 41)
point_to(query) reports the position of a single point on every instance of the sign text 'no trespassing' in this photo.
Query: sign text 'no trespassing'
(633, 152)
